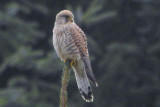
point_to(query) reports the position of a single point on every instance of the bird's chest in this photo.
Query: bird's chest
(63, 39)
(66, 45)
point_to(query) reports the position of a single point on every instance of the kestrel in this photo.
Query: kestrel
(70, 43)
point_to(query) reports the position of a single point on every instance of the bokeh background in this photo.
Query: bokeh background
(124, 46)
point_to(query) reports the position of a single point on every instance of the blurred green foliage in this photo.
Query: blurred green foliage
(124, 45)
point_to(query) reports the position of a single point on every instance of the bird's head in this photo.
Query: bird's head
(64, 16)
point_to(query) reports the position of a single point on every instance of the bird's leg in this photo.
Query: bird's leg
(67, 63)
(73, 63)
(65, 60)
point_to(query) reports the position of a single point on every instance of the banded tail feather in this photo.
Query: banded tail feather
(89, 96)
(83, 82)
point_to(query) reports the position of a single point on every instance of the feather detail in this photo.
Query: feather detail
(82, 81)
(88, 70)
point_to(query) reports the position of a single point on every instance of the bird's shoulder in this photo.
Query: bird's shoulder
(80, 31)
(80, 39)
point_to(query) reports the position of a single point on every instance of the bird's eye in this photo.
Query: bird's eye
(66, 16)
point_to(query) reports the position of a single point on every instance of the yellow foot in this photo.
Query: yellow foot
(65, 61)
(73, 63)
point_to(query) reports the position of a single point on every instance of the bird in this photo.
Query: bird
(70, 43)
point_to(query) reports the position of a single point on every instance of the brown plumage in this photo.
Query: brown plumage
(70, 43)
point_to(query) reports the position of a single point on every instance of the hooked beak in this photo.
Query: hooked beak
(70, 19)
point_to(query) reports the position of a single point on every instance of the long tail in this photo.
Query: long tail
(82, 81)
(89, 71)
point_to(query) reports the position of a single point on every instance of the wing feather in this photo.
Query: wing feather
(79, 39)
(81, 42)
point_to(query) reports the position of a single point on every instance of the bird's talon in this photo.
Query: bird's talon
(75, 63)
(65, 61)
(71, 63)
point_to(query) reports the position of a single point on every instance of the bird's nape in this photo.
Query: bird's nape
(64, 17)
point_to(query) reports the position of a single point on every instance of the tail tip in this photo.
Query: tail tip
(96, 84)
(88, 97)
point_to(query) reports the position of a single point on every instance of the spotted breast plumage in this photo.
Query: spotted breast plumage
(70, 43)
